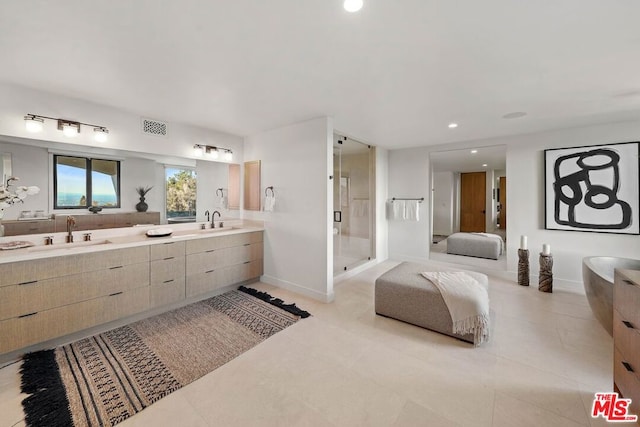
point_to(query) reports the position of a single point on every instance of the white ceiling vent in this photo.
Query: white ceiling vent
(154, 127)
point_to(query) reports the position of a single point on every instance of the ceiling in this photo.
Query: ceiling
(393, 75)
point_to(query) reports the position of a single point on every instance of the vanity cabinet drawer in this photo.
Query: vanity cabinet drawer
(17, 300)
(167, 250)
(114, 258)
(36, 327)
(167, 269)
(12, 273)
(626, 298)
(167, 292)
(211, 280)
(17, 228)
(219, 242)
(202, 262)
(626, 381)
(627, 340)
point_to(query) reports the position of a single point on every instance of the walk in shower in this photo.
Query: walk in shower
(353, 203)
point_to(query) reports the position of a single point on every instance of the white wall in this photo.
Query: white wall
(525, 200)
(212, 176)
(297, 161)
(443, 192)
(382, 195)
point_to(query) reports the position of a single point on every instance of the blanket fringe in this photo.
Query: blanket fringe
(291, 308)
(47, 403)
(476, 325)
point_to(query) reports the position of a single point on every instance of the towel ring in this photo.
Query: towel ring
(273, 193)
(221, 192)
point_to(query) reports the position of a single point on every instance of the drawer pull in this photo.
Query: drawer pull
(168, 243)
(210, 250)
(247, 244)
(116, 267)
(168, 281)
(210, 271)
(116, 293)
(27, 315)
(247, 262)
(28, 283)
(627, 366)
(168, 258)
(627, 282)
(628, 324)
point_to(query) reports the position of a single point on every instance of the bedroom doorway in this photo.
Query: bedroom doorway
(473, 202)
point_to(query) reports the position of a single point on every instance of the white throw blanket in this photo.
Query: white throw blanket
(467, 301)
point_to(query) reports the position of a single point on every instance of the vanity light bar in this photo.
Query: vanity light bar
(212, 152)
(35, 123)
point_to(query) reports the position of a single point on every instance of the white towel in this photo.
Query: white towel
(412, 210)
(395, 210)
(269, 203)
(467, 301)
(222, 202)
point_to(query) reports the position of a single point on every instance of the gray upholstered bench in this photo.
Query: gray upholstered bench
(476, 245)
(402, 293)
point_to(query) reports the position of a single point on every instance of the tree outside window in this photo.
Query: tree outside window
(181, 192)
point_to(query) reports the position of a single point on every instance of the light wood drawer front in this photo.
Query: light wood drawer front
(203, 282)
(626, 381)
(627, 340)
(626, 298)
(214, 279)
(166, 250)
(115, 258)
(219, 242)
(167, 292)
(203, 262)
(167, 269)
(29, 227)
(24, 331)
(12, 273)
(18, 300)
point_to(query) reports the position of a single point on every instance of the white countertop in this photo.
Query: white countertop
(117, 238)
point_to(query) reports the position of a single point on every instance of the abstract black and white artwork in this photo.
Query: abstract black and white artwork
(593, 188)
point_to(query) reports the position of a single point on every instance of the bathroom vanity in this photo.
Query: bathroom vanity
(48, 292)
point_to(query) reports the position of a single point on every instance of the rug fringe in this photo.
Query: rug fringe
(47, 404)
(291, 308)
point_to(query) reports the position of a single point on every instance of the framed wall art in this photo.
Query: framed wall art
(593, 188)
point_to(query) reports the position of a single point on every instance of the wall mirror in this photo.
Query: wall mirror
(5, 166)
(252, 185)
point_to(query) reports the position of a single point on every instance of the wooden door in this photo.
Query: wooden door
(503, 202)
(473, 203)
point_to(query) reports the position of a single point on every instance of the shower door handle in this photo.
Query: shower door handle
(337, 216)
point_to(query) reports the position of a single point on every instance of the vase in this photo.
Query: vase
(142, 206)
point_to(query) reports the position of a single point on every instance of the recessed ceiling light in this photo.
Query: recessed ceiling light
(352, 5)
(453, 125)
(514, 115)
(474, 151)
(484, 165)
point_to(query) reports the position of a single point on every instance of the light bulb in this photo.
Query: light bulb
(352, 5)
(69, 130)
(198, 150)
(100, 134)
(214, 154)
(228, 156)
(33, 124)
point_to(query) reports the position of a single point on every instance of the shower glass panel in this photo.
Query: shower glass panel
(352, 204)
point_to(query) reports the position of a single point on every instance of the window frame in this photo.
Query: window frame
(88, 182)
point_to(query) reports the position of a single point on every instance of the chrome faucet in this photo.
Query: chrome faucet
(207, 214)
(71, 222)
(213, 218)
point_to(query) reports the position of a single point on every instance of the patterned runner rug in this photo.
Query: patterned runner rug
(105, 379)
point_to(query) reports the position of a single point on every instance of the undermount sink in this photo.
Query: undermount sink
(81, 244)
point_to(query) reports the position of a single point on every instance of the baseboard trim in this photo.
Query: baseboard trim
(299, 289)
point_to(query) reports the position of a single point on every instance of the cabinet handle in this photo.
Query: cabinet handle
(117, 266)
(168, 243)
(114, 294)
(247, 262)
(27, 315)
(210, 250)
(28, 283)
(247, 244)
(168, 258)
(628, 324)
(627, 366)
(627, 282)
(210, 271)
(168, 281)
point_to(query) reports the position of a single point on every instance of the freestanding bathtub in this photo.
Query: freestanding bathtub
(597, 277)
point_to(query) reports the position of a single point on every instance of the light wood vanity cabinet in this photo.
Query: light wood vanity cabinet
(626, 336)
(46, 298)
(216, 262)
(167, 273)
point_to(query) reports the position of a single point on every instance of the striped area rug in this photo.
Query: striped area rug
(107, 378)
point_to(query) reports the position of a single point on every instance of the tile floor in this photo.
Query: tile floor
(345, 366)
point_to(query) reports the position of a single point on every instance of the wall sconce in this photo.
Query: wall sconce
(35, 123)
(211, 152)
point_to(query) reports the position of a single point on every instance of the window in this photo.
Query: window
(181, 192)
(81, 182)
